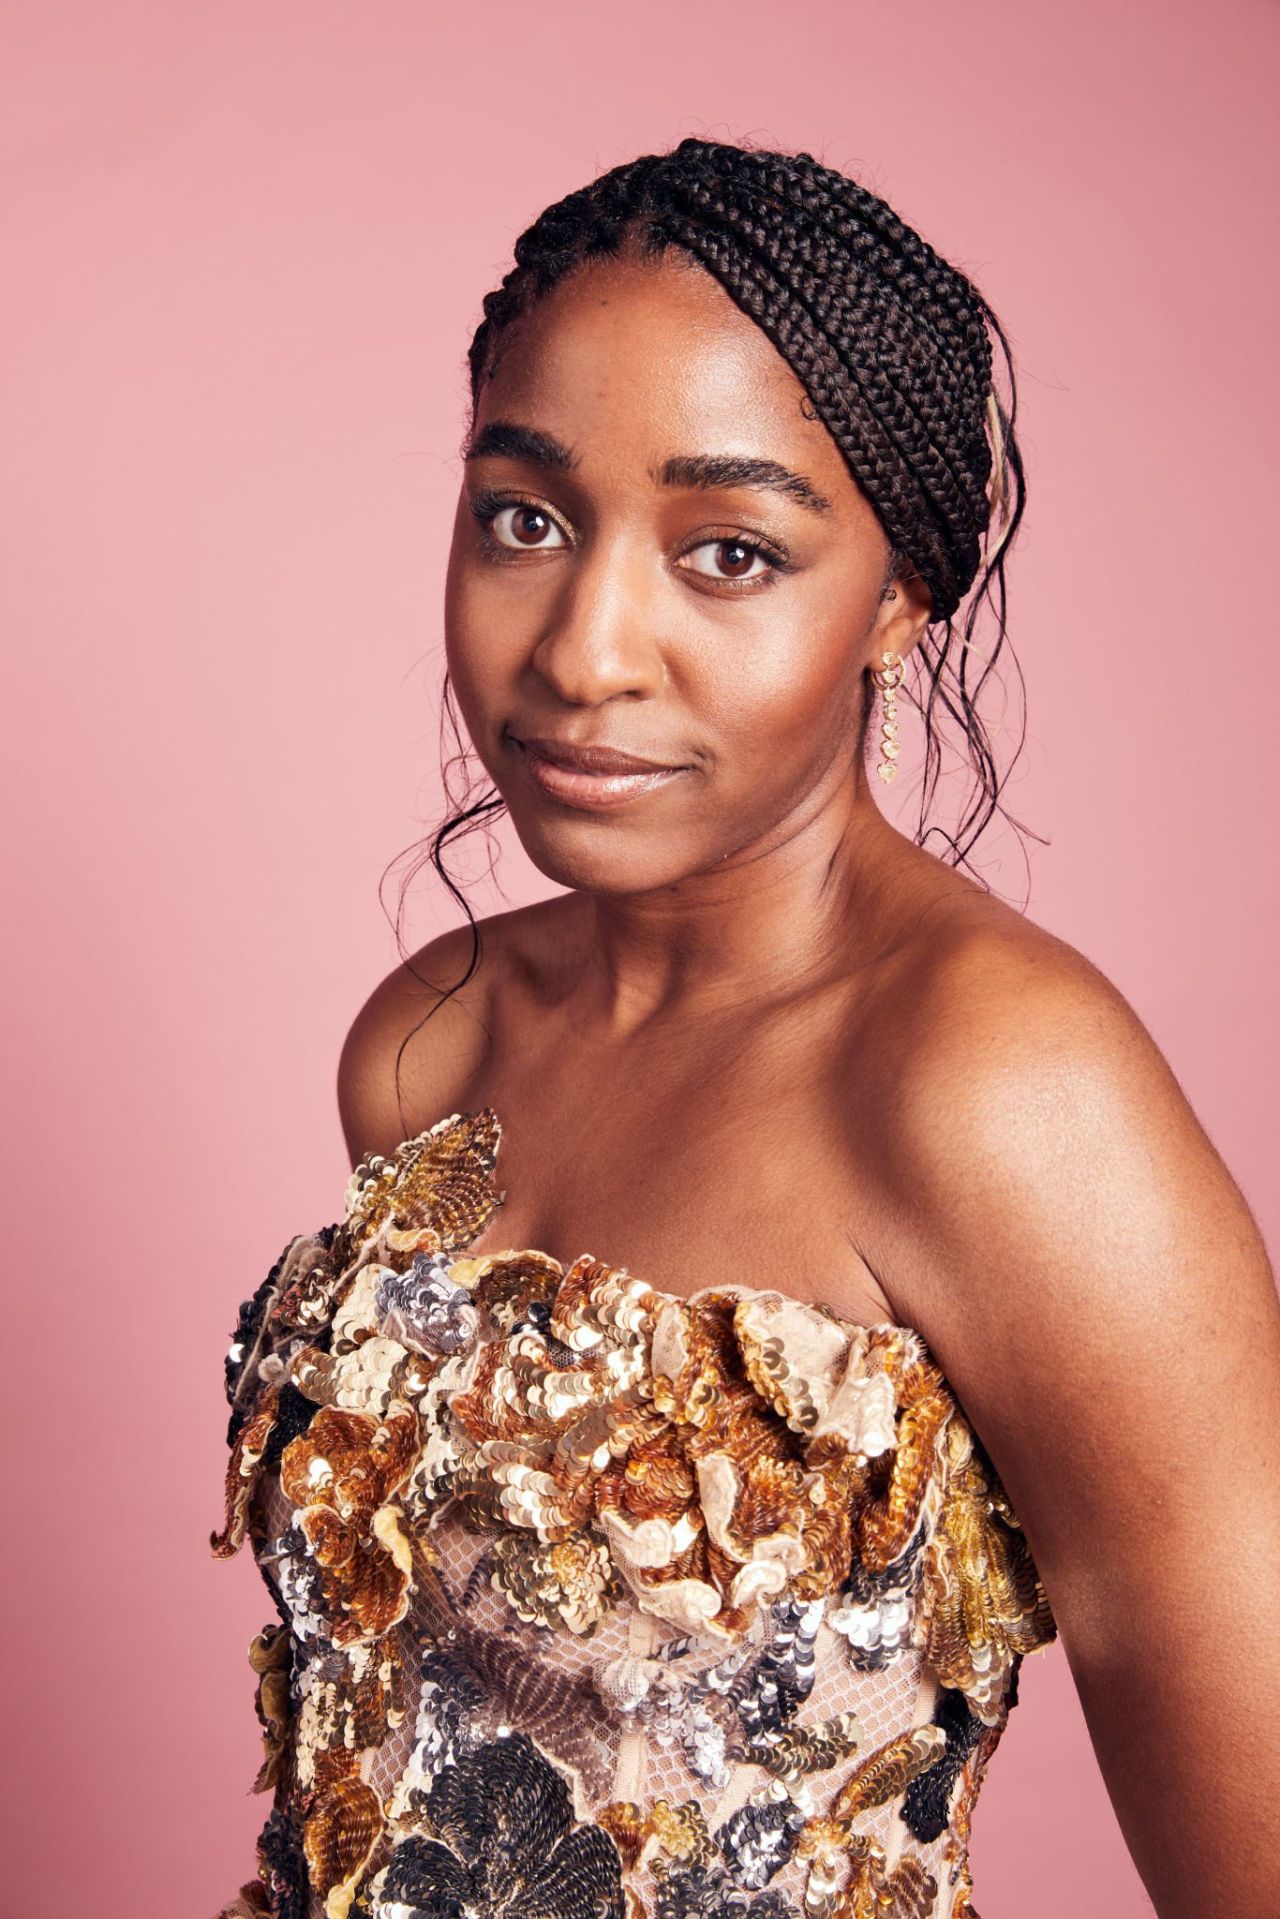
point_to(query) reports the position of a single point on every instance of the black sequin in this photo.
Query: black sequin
(506, 1844)
(283, 1865)
(294, 1414)
(759, 1839)
(708, 1892)
(767, 1695)
(925, 1801)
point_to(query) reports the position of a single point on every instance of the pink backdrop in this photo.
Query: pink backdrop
(246, 247)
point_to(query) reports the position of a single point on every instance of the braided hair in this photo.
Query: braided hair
(894, 348)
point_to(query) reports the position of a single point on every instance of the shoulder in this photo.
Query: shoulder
(1070, 1244)
(420, 1040)
(1032, 1129)
(410, 1042)
(1001, 1027)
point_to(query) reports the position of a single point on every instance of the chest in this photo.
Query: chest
(709, 1173)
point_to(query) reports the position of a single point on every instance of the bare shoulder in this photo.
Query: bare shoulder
(412, 1042)
(1001, 1026)
(1049, 1164)
(421, 1038)
(1070, 1242)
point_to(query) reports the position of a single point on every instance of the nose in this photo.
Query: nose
(598, 643)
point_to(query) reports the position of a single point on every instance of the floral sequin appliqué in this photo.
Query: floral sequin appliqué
(596, 1601)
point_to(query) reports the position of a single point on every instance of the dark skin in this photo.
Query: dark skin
(763, 1039)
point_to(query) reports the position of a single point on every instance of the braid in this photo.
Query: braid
(890, 342)
(894, 348)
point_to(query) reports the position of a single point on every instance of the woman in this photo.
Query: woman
(692, 1574)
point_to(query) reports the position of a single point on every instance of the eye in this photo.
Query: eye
(518, 525)
(733, 560)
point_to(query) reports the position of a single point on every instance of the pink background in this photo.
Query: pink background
(246, 247)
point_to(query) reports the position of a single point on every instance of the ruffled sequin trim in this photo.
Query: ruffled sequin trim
(733, 1465)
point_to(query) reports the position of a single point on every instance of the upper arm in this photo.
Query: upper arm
(412, 1048)
(1093, 1284)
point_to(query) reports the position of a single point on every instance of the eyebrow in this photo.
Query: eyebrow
(504, 439)
(728, 469)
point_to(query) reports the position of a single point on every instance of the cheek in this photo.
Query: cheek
(783, 708)
(474, 650)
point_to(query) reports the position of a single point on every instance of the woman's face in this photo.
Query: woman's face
(658, 551)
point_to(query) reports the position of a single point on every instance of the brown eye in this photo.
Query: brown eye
(732, 560)
(525, 526)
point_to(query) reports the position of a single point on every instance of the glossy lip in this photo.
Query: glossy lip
(591, 777)
(584, 758)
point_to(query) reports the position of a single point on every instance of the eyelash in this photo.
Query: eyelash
(487, 504)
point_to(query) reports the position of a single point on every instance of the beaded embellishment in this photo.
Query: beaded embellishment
(596, 1602)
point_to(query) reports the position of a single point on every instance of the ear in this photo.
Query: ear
(903, 613)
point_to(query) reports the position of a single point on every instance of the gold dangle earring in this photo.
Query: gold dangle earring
(888, 677)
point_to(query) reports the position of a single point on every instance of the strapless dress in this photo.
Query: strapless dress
(600, 1602)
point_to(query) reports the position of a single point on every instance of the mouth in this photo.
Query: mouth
(592, 776)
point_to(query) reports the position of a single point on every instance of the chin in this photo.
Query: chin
(591, 860)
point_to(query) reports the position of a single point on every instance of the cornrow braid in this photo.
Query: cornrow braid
(894, 348)
(890, 342)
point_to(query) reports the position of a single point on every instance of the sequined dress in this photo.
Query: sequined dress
(598, 1602)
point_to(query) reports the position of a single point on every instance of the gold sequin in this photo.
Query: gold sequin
(757, 1486)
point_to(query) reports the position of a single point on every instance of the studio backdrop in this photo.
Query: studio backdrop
(245, 247)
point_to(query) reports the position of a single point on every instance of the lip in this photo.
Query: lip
(592, 776)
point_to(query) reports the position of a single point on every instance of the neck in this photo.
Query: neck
(823, 897)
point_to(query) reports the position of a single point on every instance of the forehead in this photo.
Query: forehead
(647, 358)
